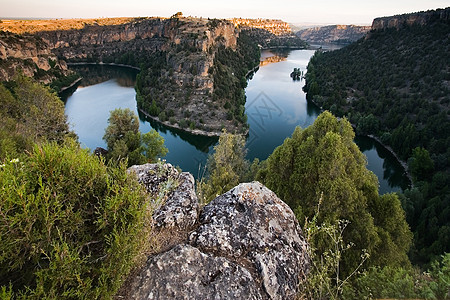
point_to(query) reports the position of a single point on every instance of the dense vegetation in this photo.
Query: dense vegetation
(394, 85)
(71, 226)
(358, 239)
(29, 113)
(322, 166)
(229, 71)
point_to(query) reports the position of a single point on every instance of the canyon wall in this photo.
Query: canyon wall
(419, 18)
(339, 34)
(270, 33)
(30, 55)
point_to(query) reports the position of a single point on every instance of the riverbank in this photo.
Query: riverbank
(388, 148)
(198, 132)
(103, 64)
(63, 89)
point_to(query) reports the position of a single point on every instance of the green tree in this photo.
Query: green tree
(323, 162)
(153, 145)
(421, 164)
(226, 167)
(121, 122)
(124, 140)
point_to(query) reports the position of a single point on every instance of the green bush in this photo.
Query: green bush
(70, 226)
(400, 282)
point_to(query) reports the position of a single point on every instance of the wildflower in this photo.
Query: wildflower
(14, 160)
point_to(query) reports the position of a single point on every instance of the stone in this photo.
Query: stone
(176, 204)
(251, 224)
(245, 244)
(184, 272)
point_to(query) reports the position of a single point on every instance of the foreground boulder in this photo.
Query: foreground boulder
(251, 225)
(245, 244)
(176, 201)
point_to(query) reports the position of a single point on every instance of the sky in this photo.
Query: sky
(292, 11)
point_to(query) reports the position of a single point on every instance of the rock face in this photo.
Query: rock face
(176, 201)
(185, 272)
(270, 33)
(338, 34)
(251, 224)
(419, 18)
(246, 244)
(29, 54)
(176, 56)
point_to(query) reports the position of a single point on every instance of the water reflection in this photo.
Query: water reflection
(380, 161)
(201, 143)
(275, 106)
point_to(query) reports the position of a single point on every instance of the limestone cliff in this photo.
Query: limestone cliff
(245, 244)
(177, 83)
(29, 54)
(419, 18)
(270, 33)
(339, 34)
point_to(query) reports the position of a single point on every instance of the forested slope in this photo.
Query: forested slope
(395, 84)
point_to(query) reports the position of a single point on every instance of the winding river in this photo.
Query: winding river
(275, 106)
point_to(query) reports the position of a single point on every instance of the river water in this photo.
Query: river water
(275, 106)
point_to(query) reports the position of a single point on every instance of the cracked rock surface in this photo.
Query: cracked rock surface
(245, 244)
(176, 201)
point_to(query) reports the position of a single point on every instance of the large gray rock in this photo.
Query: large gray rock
(250, 224)
(246, 244)
(174, 193)
(184, 272)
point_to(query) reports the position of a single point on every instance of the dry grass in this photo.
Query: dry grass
(33, 26)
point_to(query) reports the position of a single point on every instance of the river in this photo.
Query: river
(275, 106)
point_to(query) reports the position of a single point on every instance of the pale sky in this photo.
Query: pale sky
(292, 11)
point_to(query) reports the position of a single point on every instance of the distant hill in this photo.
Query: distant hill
(338, 34)
(395, 85)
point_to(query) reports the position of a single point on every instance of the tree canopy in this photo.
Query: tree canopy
(322, 163)
(124, 140)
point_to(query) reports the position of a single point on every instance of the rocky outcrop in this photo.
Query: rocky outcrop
(245, 244)
(337, 34)
(419, 18)
(176, 205)
(30, 55)
(177, 55)
(270, 33)
(276, 27)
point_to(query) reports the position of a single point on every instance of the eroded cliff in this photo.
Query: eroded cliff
(30, 55)
(181, 83)
(270, 33)
(338, 34)
(418, 18)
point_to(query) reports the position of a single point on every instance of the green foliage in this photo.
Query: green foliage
(421, 164)
(322, 161)
(71, 227)
(153, 145)
(401, 283)
(226, 167)
(29, 113)
(121, 122)
(124, 140)
(229, 73)
(63, 81)
(324, 280)
(394, 85)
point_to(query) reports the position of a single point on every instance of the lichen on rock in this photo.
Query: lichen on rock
(245, 244)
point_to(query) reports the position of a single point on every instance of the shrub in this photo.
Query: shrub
(70, 226)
